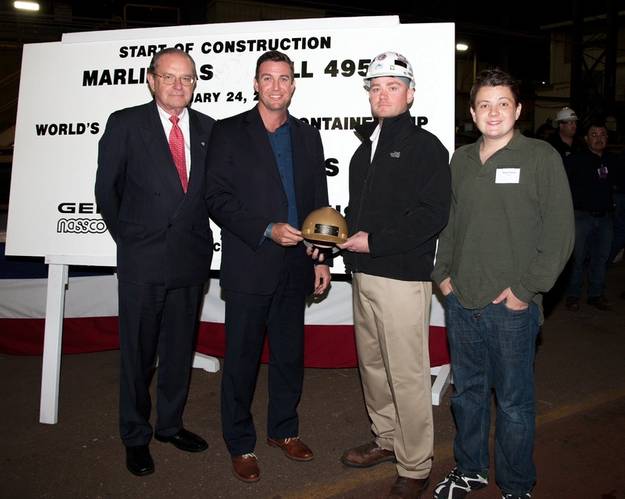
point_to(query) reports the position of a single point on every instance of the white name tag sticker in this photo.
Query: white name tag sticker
(507, 175)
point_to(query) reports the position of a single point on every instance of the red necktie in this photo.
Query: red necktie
(176, 146)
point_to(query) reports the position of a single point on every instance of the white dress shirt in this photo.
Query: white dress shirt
(374, 140)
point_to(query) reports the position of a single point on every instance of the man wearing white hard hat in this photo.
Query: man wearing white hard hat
(399, 188)
(565, 141)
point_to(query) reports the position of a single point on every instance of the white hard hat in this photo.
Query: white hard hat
(566, 114)
(389, 64)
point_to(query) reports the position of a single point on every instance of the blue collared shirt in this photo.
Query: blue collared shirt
(283, 151)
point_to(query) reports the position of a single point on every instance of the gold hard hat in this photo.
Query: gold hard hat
(325, 225)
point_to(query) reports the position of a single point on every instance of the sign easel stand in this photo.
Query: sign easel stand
(58, 266)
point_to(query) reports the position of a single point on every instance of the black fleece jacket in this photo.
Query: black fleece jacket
(401, 199)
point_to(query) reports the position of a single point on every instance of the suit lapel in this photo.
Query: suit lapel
(158, 148)
(299, 158)
(199, 146)
(260, 141)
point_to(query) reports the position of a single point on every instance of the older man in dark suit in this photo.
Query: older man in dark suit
(150, 187)
(265, 175)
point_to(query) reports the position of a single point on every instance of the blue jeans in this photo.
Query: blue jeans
(493, 347)
(619, 225)
(593, 240)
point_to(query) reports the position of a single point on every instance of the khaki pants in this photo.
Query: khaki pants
(391, 318)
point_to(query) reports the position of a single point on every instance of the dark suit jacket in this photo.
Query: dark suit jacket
(244, 194)
(163, 236)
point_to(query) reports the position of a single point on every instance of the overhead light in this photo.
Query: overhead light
(462, 47)
(34, 6)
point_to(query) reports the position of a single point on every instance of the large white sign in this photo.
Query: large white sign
(69, 88)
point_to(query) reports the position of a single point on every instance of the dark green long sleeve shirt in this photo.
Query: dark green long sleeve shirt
(511, 223)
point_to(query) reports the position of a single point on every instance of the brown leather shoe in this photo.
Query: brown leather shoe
(293, 447)
(408, 488)
(245, 467)
(572, 303)
(367, 455)
(600, 302)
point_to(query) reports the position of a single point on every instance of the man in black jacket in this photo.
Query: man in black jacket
(590, 176)
(399, 186)
(565, 140)
(150, 188)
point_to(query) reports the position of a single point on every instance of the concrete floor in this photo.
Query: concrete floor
(580, 444)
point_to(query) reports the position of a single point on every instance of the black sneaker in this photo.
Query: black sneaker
(527, 495)
(457, 484)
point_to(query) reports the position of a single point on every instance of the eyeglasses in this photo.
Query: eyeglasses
(169, 79)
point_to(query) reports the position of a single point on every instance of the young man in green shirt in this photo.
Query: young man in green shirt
(509, 235)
